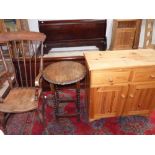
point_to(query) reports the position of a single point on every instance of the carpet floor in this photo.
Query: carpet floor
(29, 124)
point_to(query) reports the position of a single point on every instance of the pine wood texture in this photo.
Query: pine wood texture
(141, 99)
(107, 101)
(100, 77)
(142, 75)
(120, 59)
(125, 34)
(121, 83)
(64, 72)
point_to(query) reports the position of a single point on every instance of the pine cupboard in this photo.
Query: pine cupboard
(120, 83)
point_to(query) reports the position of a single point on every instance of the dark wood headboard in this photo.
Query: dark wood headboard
(70, 33)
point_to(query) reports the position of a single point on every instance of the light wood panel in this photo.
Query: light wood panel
(125, 34)
(121, 83)
(102, 77)
(125, 38)
(141, 99)
(121, 59)
(142, 75)
(107, 101)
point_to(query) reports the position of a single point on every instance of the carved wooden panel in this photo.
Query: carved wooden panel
(125, 34)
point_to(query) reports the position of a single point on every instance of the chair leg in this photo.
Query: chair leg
(4, 127)
(56, 102)
(4, 122)
(41, 118)
(78, 99)
(43, 107)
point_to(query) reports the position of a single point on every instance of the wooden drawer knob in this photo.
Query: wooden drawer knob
(152, 76)
(122, 95)
(110, 80)
(131, 95)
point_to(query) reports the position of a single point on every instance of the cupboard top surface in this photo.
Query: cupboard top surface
(120, 59)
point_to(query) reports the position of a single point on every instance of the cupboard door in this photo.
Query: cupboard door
(125, 38)
(125, 34)
(107, 101)
(141, 99)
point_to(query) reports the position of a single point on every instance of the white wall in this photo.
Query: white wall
(109, 31)
(33, 25)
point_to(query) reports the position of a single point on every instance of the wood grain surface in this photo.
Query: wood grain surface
(121, 83)
(64, 72)
(120, 59)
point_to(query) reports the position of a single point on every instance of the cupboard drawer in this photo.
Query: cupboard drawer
(101, 77)
(144, 75)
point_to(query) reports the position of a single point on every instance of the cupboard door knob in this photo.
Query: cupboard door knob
(131, 95)
(122, 95)
(152, 76)
(110, 80)
(100, 89)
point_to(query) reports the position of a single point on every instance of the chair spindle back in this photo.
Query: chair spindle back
(26, 51)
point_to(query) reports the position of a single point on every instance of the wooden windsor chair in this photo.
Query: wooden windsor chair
(25, 50)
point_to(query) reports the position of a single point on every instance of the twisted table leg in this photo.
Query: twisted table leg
(78, 99)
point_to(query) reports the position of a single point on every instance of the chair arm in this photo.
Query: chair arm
(38, 86)
(1, 100)
(37, 79)
(38, 92)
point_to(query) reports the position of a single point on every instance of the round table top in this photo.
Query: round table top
(64, 72)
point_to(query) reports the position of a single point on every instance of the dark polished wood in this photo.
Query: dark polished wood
(70, 33)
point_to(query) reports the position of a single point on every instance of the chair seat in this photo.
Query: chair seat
(19, 100)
